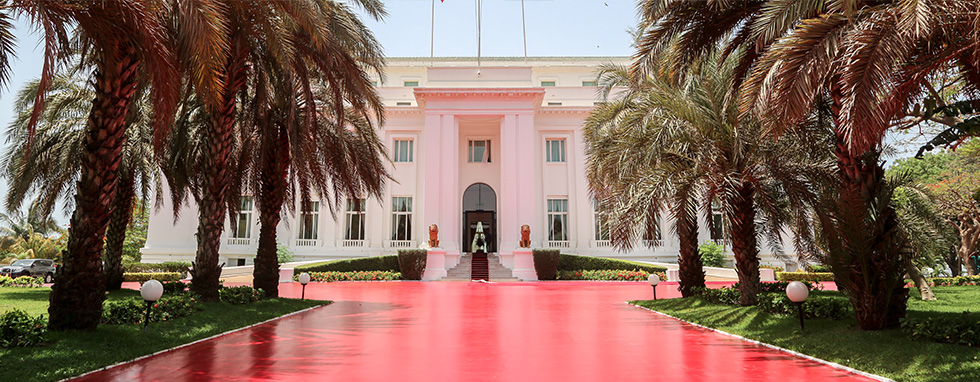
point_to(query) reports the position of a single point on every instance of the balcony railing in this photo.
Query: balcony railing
(239, 241)
(653, 243)
(353, 243)
(557, 244)
(400, 244)
(306, 243)
(601, 244)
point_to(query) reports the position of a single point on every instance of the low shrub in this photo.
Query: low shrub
(776, 286)
(546, 263)
(143, 277)
(961, 331)
(589, 263)
(958, 280)
(801, 276)
(412, 263)
(353, 276)
(133, 310)
(283, 254)
(22, 281)
(814, 307)
(726, 296)
(818, 268)
(240, 295)
(607, 275)
(174, 287)
(773, 267)
(712, 254)
(19, 329)
(172, 266)
(377, 263)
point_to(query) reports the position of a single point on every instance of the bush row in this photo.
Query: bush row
(958, 280)
(240, 295)
(22, 281)
(411, 262)
(133, 310)
(19, 329)
(353, 276)
(173, 266)
(772, 299)
(801, 276)
(962, 331)
(143, 277)
(588, 263)
(607, 275)
(376, 263)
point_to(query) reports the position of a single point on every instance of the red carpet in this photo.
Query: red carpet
(481, 268)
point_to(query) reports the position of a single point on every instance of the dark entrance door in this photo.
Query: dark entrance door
(479, 206)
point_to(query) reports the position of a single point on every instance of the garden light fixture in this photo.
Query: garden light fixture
(304, 278)
(151, 292)
(797, 293)
(654, 279)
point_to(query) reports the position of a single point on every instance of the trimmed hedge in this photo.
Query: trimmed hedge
(353, 276)
(141, 277)
(240, 295)
(588, 263)
(958, 280)
(772, 301)
(377, 263)
(961, 331)
(607, 275)
(546, 263)
(411, 262)
(168, 267)
(800, 276)
(133, 310)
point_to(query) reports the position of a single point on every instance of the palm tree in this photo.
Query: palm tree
(49, 169)
(696, 131)
(127, 41)
(868, 65)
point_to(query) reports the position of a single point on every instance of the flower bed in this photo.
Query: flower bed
(607, 275)
(22, 281)
(353, 276)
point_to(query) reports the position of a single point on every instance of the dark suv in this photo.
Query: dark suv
(30, 267)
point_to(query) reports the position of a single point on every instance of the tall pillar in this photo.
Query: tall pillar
(441, 187)
(517, 203)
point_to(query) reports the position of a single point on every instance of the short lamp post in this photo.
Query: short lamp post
(654, 279)
(797, 293)
(304, 278)
(151, 292)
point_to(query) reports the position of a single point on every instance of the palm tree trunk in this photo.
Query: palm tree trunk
(744, 244)
(275, 162)
(689, 264)
(211, 218)
(77, 295)
(115, 237)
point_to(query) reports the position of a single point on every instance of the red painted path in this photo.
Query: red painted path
(460, 331)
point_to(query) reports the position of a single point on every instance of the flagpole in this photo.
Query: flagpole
(432, 36)
(479, 28)
(524, 28)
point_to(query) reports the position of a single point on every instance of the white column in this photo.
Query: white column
(516, 205)
(440, 204)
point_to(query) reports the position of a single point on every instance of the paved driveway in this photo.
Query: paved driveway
(461, 331)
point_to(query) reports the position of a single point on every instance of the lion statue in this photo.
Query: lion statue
(525, 236)
(433, 236)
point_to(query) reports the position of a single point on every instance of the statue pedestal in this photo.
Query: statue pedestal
(766, 274)
(435, 265)
(524, 265)
(507, 260)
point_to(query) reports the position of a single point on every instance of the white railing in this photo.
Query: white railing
(653, 243)
(353, 243)
(557, 244)
(306, 243)
(601, 244)
(239, 241)
(399, 244)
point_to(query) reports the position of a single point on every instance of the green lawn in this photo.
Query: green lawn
(889, 353)
(73, 353)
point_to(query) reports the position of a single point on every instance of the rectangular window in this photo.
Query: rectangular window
(354, 220)
(411, 84)
(558, 219)
(242, 227)
(554, 103)
(401, 218)
(601, 222)
(479, 151)
(403, 104)
(547, 83)
(404, 150)
(590, 83)
(554, 150)
(717, 224)
(309, 221)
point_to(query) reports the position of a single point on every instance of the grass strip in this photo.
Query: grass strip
(888, 353)
(69, 354)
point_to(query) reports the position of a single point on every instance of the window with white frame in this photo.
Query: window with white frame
(590, 83)
(558, 219)
(479, 151)
(717, 223)
(554, 150)
(601, 222)
(548, 83)
(309, 221)
(354, 220)
(404, 150)
(411, 84)
(241, 228)
(401, 218)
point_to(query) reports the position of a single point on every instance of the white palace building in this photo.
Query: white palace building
(500, 143)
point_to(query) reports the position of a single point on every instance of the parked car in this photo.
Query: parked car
(31, 267)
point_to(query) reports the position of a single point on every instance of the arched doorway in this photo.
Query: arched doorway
(480, 206)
